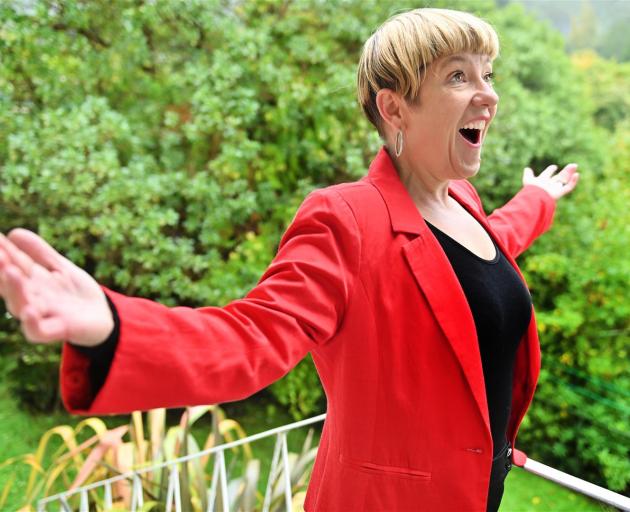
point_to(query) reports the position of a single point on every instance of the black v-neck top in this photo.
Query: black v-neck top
(501, 307)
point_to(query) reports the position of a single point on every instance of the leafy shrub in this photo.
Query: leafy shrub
(70, 457)
(579, 281)
(164, 147)
(608, 83)
(301, 391)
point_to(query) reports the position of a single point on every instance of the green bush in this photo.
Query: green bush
(301, 391)
(579, 281)
(164, 146)
(579, 278)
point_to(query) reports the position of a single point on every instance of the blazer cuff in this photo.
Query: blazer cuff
(85, 369)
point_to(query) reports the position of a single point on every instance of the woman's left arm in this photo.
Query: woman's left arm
(530, 212)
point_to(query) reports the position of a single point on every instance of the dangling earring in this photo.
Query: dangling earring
(399, 143)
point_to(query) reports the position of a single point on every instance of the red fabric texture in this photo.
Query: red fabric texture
(360, 281)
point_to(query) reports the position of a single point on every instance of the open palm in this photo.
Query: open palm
(557, 184)
(53, 298)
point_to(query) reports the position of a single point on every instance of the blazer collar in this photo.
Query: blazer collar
(403, 213)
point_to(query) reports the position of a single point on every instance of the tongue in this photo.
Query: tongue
(471, 135)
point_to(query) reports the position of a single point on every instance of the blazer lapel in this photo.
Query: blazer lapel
(434, 276)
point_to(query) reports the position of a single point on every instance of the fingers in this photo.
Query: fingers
(13, 283)
(528, 175)
(571, 184)
(548, 172)
(15, 256)
(36, 249)
(567, 172)
(4, 264)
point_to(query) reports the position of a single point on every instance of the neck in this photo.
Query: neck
(428, 192)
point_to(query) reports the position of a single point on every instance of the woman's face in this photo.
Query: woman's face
(445, 129)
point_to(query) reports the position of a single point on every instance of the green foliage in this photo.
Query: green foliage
(579, 281)
(66, 459)
(608, 85)
(301, 391)
(35, 384)
(543, 101)
(164, 146)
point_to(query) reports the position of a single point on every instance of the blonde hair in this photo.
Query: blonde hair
(397, 55)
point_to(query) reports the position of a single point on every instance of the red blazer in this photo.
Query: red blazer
(360, 282)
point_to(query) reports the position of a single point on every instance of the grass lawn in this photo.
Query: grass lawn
(20, 433)
(525, 492)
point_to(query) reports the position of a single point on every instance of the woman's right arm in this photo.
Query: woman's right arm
(168, 357)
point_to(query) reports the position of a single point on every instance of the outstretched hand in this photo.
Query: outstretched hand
(556, 185)
(53, 298)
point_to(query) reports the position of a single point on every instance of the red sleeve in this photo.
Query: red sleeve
(522, 219)
(173, 357)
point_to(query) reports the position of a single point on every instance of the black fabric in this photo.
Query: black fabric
(102, 355)
(501, 307)
(501, 466)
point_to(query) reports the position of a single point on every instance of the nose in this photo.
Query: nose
(485, 96)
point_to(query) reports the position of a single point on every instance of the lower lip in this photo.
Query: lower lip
(470, 144)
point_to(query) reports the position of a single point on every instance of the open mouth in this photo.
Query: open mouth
(471, 134)
(472, 131)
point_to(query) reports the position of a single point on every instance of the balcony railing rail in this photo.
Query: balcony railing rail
(279, 462)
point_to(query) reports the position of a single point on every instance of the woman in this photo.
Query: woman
(404, 291)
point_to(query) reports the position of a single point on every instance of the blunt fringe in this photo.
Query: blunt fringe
(398, 54)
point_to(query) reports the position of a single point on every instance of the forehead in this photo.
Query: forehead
(463, 58)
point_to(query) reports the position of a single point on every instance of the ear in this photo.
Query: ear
(390, 106)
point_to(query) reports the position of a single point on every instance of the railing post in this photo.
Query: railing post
(65, 506)
(272, 473)
(108, 502)
(288, 497)
(173, 493)
(137, 498)
(84, 506)
(219, 474)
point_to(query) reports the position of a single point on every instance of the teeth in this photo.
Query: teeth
(477, 125)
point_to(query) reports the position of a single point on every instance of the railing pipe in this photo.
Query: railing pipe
(577, 484)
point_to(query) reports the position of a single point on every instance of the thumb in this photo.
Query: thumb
(528, 175)
(37, 249)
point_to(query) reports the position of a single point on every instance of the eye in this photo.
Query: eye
(457, 77)
(489, 77)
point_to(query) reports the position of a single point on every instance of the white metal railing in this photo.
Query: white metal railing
(173, 495)
(577, 484)
(279, 461)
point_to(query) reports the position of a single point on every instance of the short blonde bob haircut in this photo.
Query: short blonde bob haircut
(398, 54)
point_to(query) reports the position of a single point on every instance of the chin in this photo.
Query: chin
(467, 171)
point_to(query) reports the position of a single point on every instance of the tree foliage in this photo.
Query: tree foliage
(164, 146)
